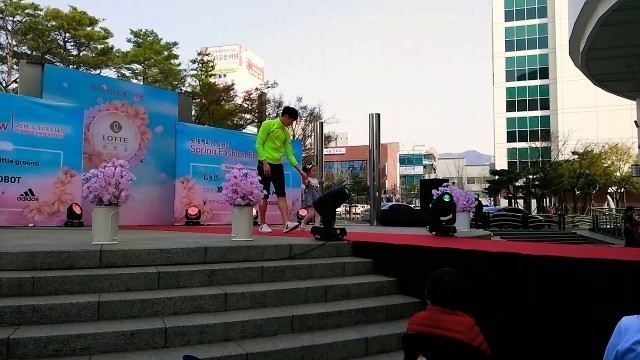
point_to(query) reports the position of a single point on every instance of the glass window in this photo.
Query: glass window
(511, 123)
(512, 154)
(509, 4)
(521, 62)
(532, 43)
(524, 165)
(530, 2)
(542, 12)
(521, 75)
(542, 2)
(510, 75)
(534, 153)
(509, 33)
(521, 92)
(545, 153)
(519, 14)
(511, 93)
(543, 59)
(545, 135)
(522, 123)
(531, 13)
(511, 62)
(543, 42)
(534, 122)
(521, 44)
(510, 45)
(532, 61)
(534, 135)
(532, 74)
(512, 136)
(544, 104)
(520, 3)
(523, 153)
(512, 165)
(509, 15)
(544, 90)
(543, 29)
(533, 104)
(521, 105)
(544, 73)
(545, 121)
(532, 30)
(532, 91)
(523, 136)
(521, 32)
(511, 106)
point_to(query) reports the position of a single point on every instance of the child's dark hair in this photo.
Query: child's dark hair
(308, 168)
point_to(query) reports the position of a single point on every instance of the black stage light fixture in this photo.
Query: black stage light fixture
(443, 215)
(192, 215)
(74, 216)
(301, 214)
(326, 206)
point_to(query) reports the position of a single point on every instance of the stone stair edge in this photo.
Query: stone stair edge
(360, 339)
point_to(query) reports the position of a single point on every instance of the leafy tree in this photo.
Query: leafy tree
(504, 181)
(14, 14)
(151, 61)
(584, 173)
(410, 193)
(358, 187)
(213, 104)
(618, 158)
(72, 39)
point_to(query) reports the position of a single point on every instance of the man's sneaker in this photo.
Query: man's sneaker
(265, 229)
(290, 226)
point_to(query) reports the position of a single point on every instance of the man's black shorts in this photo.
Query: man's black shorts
(276, 178)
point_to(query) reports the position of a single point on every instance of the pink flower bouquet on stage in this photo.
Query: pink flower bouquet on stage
(243, 191)
(108, 188)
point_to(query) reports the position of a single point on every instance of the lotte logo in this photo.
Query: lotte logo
(115, 126)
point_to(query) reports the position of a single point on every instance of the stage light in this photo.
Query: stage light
(326, 206)
(74, 216)
(301, 214)
(192, 215)
(443, 215)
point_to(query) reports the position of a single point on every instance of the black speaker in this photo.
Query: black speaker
(426, 195)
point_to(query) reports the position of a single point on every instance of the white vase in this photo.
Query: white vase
(104, 224)
(463, 221)
(242, 223)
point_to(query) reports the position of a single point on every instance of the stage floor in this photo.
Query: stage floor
(29, 239)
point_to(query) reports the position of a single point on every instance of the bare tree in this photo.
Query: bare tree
(304, 128)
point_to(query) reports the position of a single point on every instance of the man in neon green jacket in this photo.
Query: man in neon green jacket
(274, 140)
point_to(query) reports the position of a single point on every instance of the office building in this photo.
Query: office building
(544, 106)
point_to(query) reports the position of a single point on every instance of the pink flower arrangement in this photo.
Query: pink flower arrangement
(137, 114)
(465, 200)
(109, 184)
(242, 187)
(61, 197)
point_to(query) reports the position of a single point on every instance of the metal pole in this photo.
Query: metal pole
(374, 168)
(319, 149)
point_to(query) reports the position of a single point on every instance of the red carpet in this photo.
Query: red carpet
(427, 240)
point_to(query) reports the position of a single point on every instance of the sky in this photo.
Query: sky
(424, 65)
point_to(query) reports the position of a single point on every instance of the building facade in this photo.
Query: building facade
(237, 64)
(544, 107)
(465, 176)
(347, 160)
(416, 162)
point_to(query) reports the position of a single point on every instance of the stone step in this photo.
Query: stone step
(75, 339)
(335, 344)
(168, 253)
(118, 305)
(396, 355)
(86, 281)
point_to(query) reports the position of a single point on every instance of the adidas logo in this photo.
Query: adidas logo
(28, 195)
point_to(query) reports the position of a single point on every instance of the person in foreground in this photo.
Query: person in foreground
(443, 331)
(274, 140)
(625, 341)
(630, 227)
